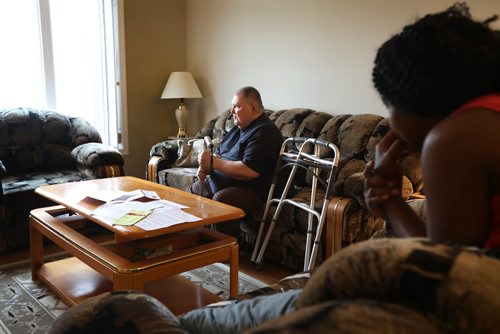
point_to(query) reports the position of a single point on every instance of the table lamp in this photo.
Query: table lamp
(181, 85)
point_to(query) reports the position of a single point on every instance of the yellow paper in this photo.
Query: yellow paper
(131, 218)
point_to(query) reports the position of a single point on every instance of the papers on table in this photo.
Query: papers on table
(126, 209)
(124, 196)
(165, 217)
(113, 211)
(107, 195)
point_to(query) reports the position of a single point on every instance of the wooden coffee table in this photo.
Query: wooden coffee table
(125, 264)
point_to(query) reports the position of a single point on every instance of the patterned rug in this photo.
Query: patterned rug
(28, 307)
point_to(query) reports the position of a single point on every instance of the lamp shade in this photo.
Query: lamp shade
(181, 85)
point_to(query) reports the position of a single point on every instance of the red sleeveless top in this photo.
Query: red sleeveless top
(492, 102)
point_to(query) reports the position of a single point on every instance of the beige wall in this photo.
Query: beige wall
(298, 53)
(155, 45)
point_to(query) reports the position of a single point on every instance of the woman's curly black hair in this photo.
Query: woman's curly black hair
(438, 63)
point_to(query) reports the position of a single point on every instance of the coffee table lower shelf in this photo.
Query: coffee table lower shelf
(151, 265)
(73, 282)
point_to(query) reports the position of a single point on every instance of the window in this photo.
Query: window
(64, 55)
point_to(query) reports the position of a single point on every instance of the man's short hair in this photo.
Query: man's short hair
(251, 94)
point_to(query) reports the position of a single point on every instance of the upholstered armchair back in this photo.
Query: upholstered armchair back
(40, 140)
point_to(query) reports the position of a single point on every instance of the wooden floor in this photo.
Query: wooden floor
(269, 273)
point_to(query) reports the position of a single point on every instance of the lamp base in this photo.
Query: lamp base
(181, 133)
(181, 114)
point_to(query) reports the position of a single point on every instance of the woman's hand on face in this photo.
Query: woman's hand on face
(383, 176)
(389, 153)
(378, 190)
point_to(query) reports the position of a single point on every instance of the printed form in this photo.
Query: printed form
(160, 213)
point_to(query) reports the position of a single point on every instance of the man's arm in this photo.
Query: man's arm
(234, 169)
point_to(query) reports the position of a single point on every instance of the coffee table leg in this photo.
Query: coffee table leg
(233, 271)
(128, 282)
(36, 248)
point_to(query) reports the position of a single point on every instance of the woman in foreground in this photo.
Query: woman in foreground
(440, 79)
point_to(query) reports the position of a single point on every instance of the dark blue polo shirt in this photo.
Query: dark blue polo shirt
(257, 147)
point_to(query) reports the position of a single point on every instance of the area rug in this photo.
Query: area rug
(28, 307)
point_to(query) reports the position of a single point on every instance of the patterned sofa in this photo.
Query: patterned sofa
(39, 147)
(174, 163)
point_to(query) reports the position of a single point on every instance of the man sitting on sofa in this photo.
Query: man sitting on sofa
(241, 169)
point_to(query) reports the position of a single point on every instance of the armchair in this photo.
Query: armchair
(39, 147)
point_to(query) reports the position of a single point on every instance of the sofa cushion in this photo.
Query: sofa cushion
(33, 158)
(29, 182)
(178, 177)
(223, 123)
(311, 126)
(83, 132)
(289, 120)
(355, 133)
(187, 155)
(26, 126)
(380, 130)
(330, 133)
(21, 126)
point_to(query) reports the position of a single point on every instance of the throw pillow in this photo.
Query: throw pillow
(188, 153)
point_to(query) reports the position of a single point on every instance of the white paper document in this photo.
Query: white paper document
(165, 217)
(124, 196)
(112, 211)
(107, 195)
(163, 213)
(138, 194)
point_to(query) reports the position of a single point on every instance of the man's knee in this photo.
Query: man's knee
(239, 197)
(201, 188)
(227, 195)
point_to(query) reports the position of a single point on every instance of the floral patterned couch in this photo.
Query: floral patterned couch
(39, 147)
(174, 163)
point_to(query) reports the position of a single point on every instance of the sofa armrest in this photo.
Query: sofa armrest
(161, 156)
(354, 188)
(334, 223)
(98, 160)
(168, 150)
